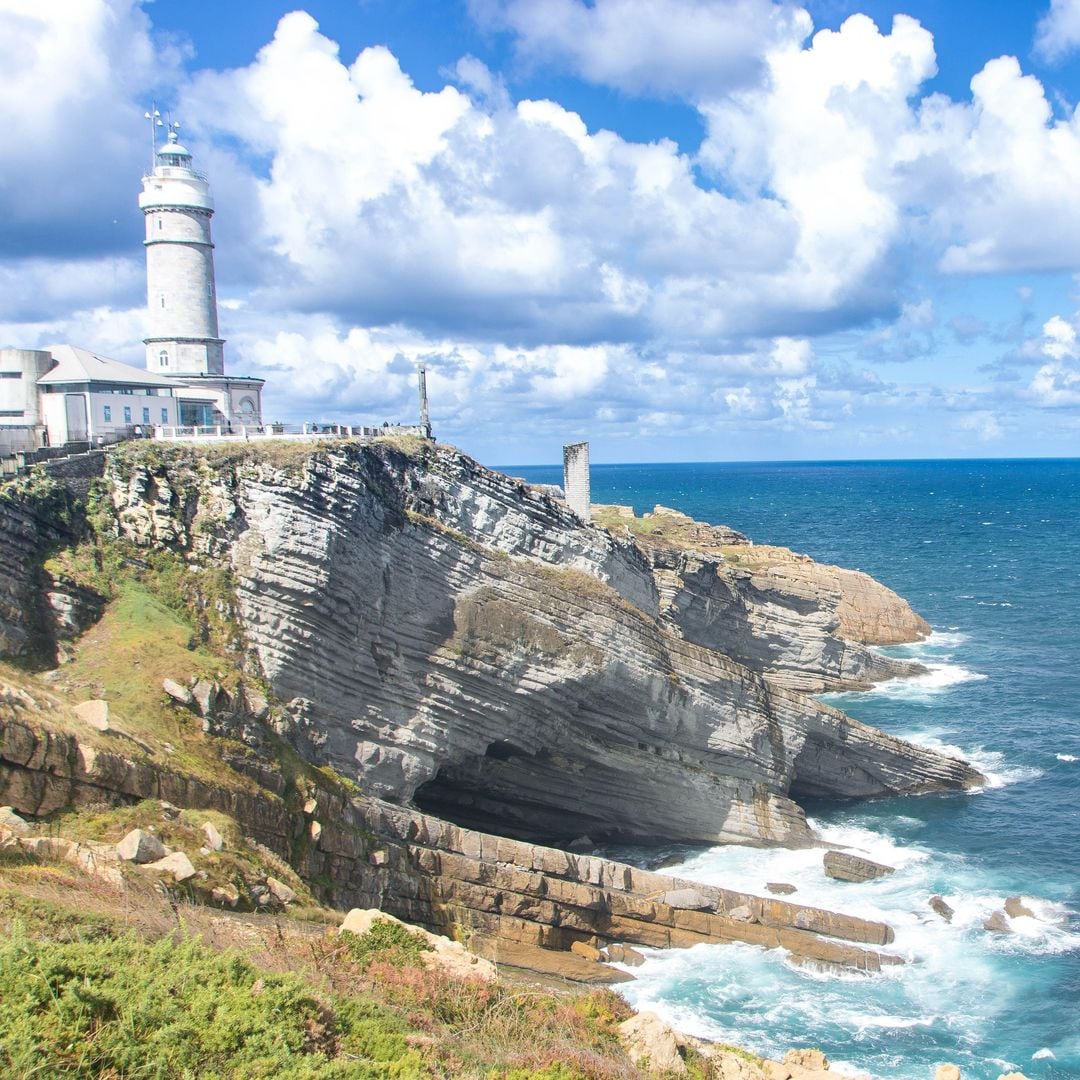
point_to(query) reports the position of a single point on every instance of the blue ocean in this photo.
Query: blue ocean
(989, 553)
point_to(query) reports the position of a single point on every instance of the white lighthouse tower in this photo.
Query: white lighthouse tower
(183, 341)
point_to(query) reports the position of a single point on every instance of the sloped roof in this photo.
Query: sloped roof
(76, 365)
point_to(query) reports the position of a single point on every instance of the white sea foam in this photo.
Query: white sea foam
(1045, 1052)
(991, 763)
(1065, 757)
(939, 677)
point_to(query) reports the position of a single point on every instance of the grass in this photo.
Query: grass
(94, 982)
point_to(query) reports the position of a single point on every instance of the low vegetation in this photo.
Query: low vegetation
(95, 984)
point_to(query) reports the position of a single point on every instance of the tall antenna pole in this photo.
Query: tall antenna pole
(421, 380)
(155, 122)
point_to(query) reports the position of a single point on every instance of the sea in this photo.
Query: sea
(988, 551)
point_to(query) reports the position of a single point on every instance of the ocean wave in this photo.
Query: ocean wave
(939, 677)
(991, 763)
(1066, 757)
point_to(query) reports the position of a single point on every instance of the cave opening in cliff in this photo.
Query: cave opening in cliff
(507, 791)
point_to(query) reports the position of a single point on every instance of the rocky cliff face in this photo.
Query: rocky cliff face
(456, 640)
(807, 625)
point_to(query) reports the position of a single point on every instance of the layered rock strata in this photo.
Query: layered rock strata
(449, 637)
(368, 853)
(807, 625)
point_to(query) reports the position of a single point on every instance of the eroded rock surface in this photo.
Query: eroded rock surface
(450, 637)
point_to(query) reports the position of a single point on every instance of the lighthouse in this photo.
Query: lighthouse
(183, 342)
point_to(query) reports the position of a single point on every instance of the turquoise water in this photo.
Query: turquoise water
(989, 553)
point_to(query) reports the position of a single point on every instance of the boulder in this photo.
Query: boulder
(205, 694)
(846, 867)
(780, 888)
(1012, 1076)
(180, 694)
(1015, 908)
(723, 1065)
(997, 923)
(618, 953)
(775, 1070)
(648, 1040)
(687, 899)
(814, 1060)
(177, 864)
(451, 956)
(742, 913)
(586, 952)
(314, 830)
(947, 1072)
(280, 891)
(227, 894)
(140, 846)
(938, 905)
(94, 713)
(213, 837)
(11, 823)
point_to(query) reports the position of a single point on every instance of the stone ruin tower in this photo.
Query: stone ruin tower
(181, 295)
(576, 479)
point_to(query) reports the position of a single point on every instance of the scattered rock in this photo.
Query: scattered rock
(177, 864)
(280, 891)
(311, 805)
(94, 713)
(255, 704)
(724, 1065)
(213, 837)
(205, 694)
(315, 830)
(140, 846)
(168, 810)
(742, 913)
(1012, 1076)
(938, 905)
(180, 694)
(586, 952)
(947, 1072)
(806, 1059)
(618, 953)
(846, 867)
(780, 888)
(646, 1036)
(380, 857)
(225, 894)
(449, 955)
(998, 923)
(11, 823)
(582, 843)
(1015, 908)
(688, 899)
(775, 1070)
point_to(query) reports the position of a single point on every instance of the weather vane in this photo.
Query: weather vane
(155, 122)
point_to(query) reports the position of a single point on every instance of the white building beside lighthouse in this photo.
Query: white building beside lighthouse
(182, 341)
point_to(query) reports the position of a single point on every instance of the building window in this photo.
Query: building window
(209, 288)
(146, 416)
(11, 412)
(163, 358)
(108, 414)
(10, 374)
(164, 416)
(162, 299)
(159, 224)
(127, 414)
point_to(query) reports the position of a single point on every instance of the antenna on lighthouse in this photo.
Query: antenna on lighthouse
(155, 122)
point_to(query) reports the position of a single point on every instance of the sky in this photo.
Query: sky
(684, 230)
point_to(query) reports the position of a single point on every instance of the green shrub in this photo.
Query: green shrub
(388, 942)
(124, 1008)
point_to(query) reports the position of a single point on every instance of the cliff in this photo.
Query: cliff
(809, 626)
(455, 640)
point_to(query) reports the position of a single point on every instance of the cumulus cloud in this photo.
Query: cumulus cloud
(689, 49)
(75, 72)
(1058, 32)
(1056, 384)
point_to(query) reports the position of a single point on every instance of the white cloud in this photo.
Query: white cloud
(692, 49)
(75, 72)
(1058, 32)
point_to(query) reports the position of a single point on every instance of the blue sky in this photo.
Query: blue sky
(681, 229)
